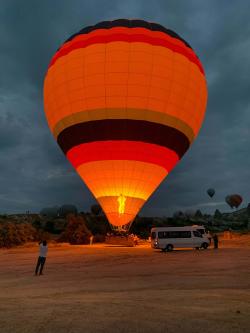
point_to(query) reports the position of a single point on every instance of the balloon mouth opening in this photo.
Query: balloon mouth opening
(120, 209)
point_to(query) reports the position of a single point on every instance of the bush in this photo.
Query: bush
(96, 209)
(37, 224)
(97, 224)
(50, 227)
(99, 238)
(12, 234)
(42, 235)
(76, 231)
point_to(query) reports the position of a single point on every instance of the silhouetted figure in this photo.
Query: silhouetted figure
(209, 236)
(43, 249)
(216, 241)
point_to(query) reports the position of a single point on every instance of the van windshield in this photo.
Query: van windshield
(153, 235)
(197, 233)
(202, 231)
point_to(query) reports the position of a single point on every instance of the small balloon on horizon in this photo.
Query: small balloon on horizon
(211, 192)
(234, 200)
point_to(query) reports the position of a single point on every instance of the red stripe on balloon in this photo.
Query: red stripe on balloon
(127, 31)
(122, 150)
(122, 37)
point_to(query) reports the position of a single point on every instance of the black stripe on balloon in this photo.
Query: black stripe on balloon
(123, 129)
(128, 24)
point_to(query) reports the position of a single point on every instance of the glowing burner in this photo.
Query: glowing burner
(121, 201)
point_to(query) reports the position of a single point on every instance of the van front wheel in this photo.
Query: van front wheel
(204, 246)
(169, 248)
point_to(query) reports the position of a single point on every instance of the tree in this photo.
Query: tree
(198, 213)
(50, 211)
(50, 227)
(248, 209)
(217, 214)
(76, 231)
(178, 214)
(97, 224)
(96, 209)
(65, 210)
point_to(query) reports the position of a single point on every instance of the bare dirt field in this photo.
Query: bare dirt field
(116, 289)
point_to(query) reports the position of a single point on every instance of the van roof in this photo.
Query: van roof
(189, 227)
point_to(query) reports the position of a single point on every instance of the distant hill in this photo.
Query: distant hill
(219, 221)
(243, 212)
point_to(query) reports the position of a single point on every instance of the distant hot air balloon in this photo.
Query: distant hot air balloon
(233, 200)
(211, 192)
(124, 99)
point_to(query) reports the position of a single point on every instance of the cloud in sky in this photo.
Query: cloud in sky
(34, 172)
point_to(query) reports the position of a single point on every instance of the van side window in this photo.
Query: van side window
(174, 234)
(186, 234)
(162, 234)
(197, 234)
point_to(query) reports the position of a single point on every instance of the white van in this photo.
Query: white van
(168, 238)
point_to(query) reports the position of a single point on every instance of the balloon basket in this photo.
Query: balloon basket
(120, 236)
(121, 239)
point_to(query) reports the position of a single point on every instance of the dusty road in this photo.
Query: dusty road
(115, 289)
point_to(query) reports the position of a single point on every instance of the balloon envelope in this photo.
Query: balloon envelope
(124, 99)
(233, 200)
(211, 192)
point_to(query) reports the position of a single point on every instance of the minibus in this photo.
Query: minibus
(169, 238)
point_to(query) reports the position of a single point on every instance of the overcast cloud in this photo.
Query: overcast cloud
(34, 172)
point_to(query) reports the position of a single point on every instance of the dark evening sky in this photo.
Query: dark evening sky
(34, 173)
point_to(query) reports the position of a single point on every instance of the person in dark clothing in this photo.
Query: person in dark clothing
(216, 241)
(43, 250)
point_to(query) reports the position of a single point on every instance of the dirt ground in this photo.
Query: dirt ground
(111, 289)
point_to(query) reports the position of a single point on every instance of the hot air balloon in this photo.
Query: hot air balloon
(233, 200)
(211, 192)
(124, 99)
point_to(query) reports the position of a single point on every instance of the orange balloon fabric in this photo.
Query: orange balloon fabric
(124, 99)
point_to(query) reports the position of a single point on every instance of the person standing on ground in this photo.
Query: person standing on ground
(43, 250)
(209, 236)
(91, 240)
(216, 241)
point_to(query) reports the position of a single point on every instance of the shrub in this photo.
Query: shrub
(99, 238)
(12, 234)
(76, 231)
(96, 209)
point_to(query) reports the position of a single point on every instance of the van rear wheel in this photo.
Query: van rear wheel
(169, 248)
(204, 246)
